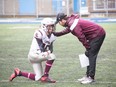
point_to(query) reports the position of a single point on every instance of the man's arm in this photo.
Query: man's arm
(63, 32)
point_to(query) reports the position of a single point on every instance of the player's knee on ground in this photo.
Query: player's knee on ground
(38, 69)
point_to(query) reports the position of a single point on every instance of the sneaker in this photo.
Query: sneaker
(16, 73)
(82, 79)
(88, 80)
(47, 79)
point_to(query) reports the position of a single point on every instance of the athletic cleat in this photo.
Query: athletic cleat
(16, 73)
(88, 80)
(46, 79)
(82, 79)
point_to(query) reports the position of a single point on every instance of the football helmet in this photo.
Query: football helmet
(47, 22)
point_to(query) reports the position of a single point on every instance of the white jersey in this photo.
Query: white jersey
(41, 41)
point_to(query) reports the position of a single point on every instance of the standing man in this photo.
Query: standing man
(41, 50)
(89, 34)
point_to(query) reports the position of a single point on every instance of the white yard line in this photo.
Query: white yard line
(106, 82)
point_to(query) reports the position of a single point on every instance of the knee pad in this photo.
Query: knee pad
(51, 57)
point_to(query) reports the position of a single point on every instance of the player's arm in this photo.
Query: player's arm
(38, 37)
(51, 47)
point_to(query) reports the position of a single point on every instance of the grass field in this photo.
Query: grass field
(15, 40)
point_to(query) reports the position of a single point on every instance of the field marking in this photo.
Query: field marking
(26, 58)
(5, 81)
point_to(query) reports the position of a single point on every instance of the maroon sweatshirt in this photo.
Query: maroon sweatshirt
(84, 30)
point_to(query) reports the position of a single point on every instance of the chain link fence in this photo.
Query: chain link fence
(41, 8)
(34, 8)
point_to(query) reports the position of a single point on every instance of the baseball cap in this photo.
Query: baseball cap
(59, 17)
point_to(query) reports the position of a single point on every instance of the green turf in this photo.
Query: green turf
(15, 43)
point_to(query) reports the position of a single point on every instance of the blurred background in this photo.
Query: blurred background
(20, 18)
(50, 8)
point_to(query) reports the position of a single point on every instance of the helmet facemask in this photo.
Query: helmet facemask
(47, 25)
(50, 29)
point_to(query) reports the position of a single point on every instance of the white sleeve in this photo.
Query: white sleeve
(38, 34)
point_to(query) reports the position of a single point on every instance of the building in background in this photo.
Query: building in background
(42, 8)
(81, 7)
(102, 8)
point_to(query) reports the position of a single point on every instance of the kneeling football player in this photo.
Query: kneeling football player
(41, 50)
